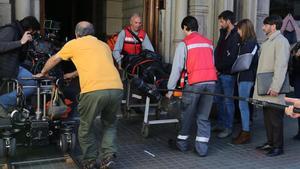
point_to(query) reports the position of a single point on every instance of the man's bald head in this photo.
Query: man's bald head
(84, 28)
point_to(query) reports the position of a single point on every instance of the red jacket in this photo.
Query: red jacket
(131, 47)
(199, 61)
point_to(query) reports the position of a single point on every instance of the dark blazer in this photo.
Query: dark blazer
(226, 51)
(247, 47)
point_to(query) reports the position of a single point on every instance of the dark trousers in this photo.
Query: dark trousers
(195, 107)
(106, 103)
(273, 120)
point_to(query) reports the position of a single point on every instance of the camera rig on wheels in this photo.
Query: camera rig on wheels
(31, 129)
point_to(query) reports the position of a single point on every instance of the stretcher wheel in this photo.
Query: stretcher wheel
(157, 114)
(145, 131)
(2, 148)
(11, 150)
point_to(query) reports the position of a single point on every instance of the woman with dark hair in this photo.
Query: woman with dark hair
(246, 78)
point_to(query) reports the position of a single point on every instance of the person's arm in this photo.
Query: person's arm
(8, 45)
(119, 47)
(71, 75)
(65, 53)
(177, 67)
(147, 44)
(53, 61)
(282, 54)
(290, 110)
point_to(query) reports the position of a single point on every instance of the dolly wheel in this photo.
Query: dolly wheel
(73, 142)
(63, 143)
(145, 131)
(2, 148)
(11, 150)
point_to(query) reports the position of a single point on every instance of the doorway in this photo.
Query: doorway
(69, 12)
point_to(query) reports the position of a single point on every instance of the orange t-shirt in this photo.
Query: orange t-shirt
(94, 63)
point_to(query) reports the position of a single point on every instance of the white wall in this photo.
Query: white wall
(118, 13)
(114, 16)
(130, 7)
(5, 12)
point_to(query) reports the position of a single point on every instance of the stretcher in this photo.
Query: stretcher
(136, 99)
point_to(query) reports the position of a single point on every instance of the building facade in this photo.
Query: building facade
(162, 18)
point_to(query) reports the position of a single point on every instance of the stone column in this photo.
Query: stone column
(200, 10)
(263, 8)
(166, 31)
(180, 12)
(181, 7)
(114, 16)
(22, 8)
(218, 7)
(36, 9)
(5, 12)
(249, 10)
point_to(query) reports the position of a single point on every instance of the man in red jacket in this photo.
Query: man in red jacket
(194, 57)
(131, 40)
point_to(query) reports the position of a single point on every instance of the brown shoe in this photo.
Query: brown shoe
(243, 138)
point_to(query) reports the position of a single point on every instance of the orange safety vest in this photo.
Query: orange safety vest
(112, 41)
(199, 61)
(130, 46)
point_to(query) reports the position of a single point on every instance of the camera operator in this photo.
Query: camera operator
(13, 38)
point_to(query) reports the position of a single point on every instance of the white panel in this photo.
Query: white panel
(5, 13)
(22, 8)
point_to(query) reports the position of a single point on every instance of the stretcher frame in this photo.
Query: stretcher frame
(146, 105)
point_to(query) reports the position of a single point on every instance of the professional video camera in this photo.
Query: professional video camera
(41, 48)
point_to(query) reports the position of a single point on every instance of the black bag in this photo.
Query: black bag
(264, 81)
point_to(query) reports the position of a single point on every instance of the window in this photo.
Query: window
(284, 7)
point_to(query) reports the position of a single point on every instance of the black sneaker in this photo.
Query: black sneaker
(264, 147)
(108, 162)
(173, 145)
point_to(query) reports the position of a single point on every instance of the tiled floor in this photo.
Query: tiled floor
(136, 152)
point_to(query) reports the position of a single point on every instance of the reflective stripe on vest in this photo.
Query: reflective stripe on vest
(200, 61)
(200, 45)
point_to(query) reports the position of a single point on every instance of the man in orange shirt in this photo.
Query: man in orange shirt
(101, 92)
